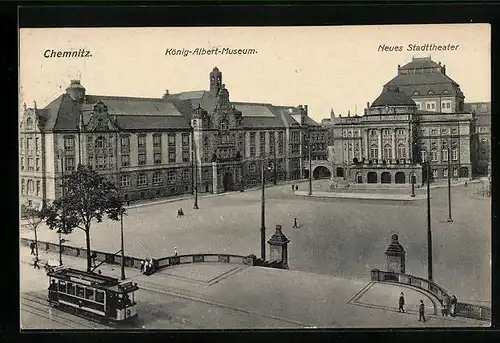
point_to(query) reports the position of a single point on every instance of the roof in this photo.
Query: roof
(392, 96)
(421, 76)
(421, 62)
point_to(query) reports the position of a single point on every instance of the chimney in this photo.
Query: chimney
(367, 104)
(166, 95)
(305, 109)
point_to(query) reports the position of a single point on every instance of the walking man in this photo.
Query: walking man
(293, 188)
(142, 266)
(401, 303)
(453, 306)
(175, 251)
(35, 263)
(32, 247)
(421, 311)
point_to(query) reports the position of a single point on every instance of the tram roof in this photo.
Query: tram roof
(83, 276)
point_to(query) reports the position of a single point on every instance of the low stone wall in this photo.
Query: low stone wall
(133, 262)
(462, 309)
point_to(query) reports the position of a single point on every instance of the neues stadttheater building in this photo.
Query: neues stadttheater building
(420, 116)
(164, 146)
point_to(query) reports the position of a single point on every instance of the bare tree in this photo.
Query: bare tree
(32, 218)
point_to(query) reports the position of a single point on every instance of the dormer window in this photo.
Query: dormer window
(29, 124)
(445, 92)
(416, 93)
(430, 92)
(223, 124)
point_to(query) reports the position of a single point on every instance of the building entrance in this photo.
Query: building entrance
(228, 182)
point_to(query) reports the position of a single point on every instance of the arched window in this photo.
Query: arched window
(434, 155)
(373, 152)
(100, 142)
(444, 154)
(401, 151)
(29, 123)
(387, 152)
(223, 124)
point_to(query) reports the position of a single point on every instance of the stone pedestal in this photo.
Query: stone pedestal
(215, 178)
(278, 248)
(395, 256)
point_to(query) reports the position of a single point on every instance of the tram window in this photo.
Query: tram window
(62, 286)
(89, 293)
(99, 296)
(71, 288)
(80, 291)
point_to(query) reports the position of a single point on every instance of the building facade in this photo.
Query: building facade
(155, 147)
(420, 116)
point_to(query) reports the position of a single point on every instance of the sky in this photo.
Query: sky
(324, 67)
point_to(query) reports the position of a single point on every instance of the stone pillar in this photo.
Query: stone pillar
(367, 151)
(379, 137)
(393, 144)
(215, 179)
(395, 256)
(278, 248)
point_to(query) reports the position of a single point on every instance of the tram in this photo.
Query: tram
(92, 294)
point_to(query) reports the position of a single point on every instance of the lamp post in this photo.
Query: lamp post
(310, 170)
(450, 220)
(429, 232)
(275, 171)
(413, 171)
(61, 156)
(195, 206)
(263, 212)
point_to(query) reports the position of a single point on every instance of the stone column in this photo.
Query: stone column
(367, 152)
(379, 136)
(393, 144)
(214, 178)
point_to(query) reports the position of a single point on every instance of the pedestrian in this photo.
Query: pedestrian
(295, 223)
(93, 257)
(35, 263)
(296, 188)
(178, 213)
(293, 188)
(128, 203)
(465, 183)
(142, 266)
(32, 247)
(401, 303)
(181, 212)
(446, 306)
(453, 310)
(421, 311)
(175, 251)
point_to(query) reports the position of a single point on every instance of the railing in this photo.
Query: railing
(133, 262)
(462, 309)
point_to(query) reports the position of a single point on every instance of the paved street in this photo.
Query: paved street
(183, 297)
(341, 237)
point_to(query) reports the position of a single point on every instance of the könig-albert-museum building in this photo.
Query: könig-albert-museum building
(164, 146)
(420, 116)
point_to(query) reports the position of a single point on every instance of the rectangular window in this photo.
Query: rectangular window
(171, 139)
(252, 138)
(157, 141)
(37, 144)
(444, 154)
(22, 163)
(69, 165)
(171, 176)
(125, 160)
(30, 164)
(141, 141)
(141, 159)
(69, 143)
(185, 174)
(434, 173)
(125, 141)
(100, 162)
(185, 139)
(433, 131)
(252, 151)
(171, 157)
(157, 157)
(455, 172)
(251, 168)
(157, 179)
(38, 188)
(434, 155)
(454, 154)
(125, 180)
(445, 172)
(22, 186)
(29, 142)
(185, 156)
(21, 144)
(142, 180)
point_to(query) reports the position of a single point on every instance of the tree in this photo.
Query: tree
(32, 218)
(88, 197)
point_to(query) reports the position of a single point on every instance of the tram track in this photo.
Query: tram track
(39, 306)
